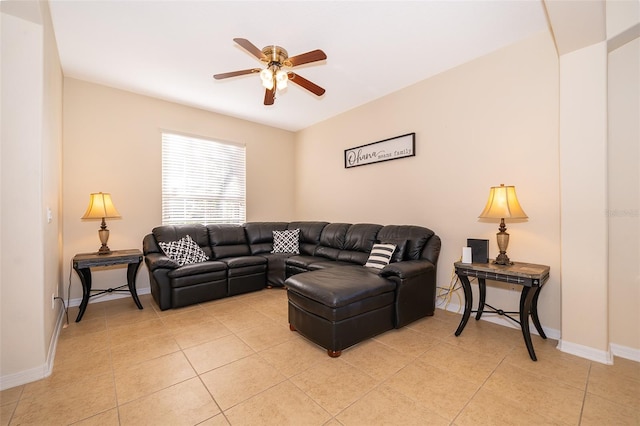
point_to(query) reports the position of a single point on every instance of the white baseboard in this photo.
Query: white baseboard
(593, 354)
(40, 372)
(551, 333)
(625, 352)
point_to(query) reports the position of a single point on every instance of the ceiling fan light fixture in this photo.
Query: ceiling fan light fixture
(281, 79)
(266, 75)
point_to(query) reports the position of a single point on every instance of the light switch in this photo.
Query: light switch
(49, 215)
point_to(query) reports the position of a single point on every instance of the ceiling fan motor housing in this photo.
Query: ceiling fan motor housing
(276, 55)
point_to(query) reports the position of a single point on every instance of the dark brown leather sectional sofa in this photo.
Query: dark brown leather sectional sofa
(334, 300)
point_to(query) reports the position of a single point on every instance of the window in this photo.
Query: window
(203, 181)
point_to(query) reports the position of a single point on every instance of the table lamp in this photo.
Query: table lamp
(502, 204)
(101, 207)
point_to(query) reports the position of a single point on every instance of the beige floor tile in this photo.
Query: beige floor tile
(384, 406)
(67, 347)
(552, 363)
(219, 420)
(406, 340)
(129, 316)
(226, 305)
(175, 311)
(106, 418)
(281, 405)
(240, 380)
(376, 359)
(186, 403)
(266, 335)
(136, 331)
(598, 411)
(488, 408)
(434, 389)
(6, 412)
(68, 372)
(334, 384)
(197, 334)
(150, 376)
(614, 383)
(294, 356)
(69, 404)
(485, 341)
(95, 309)
(241, 319)
(11, 395)
(433, 327)
(133, 352)
(471, 366)
(529, 391)
(217, 353)
(186, 319)
(88, 325)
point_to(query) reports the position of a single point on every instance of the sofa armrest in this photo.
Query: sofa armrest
(159, 260)
(407, 269)
(415, 289)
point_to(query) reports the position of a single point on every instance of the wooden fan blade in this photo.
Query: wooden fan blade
(250, 47)
(303, 82)
(236, 73)
(269, 96)
(305, 58)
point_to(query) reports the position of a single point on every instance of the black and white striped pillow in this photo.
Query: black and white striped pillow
(380, 255)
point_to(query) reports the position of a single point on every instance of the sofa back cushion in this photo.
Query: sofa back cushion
(197, 232)
(332, 240)
(410, 237)
(358, 242)
(260, 235)
(228, 240)
(309, 235)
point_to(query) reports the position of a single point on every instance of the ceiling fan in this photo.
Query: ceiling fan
(274, 77)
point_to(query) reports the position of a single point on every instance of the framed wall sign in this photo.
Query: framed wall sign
(385, 150)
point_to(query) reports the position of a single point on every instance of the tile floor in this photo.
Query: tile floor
(234, 361)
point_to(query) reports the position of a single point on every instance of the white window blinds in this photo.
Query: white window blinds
(203, 181)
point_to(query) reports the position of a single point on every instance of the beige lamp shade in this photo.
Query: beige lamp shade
(503, 204)
(100, 206)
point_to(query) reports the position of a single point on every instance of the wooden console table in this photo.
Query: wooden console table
(82, 263)
(528, 275)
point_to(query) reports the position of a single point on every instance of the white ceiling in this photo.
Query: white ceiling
(171, 49)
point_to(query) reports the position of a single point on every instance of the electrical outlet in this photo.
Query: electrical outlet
(53, 300)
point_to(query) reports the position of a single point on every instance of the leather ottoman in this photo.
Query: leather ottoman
(341, 306)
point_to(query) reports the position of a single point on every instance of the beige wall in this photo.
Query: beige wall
(624, 195)
(113, 144)
(30, 181)
(583, 135)
(490, 121)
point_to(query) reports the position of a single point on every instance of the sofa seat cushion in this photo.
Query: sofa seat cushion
(243, 261)
(197, 273)
(340, 286)
(198, 268)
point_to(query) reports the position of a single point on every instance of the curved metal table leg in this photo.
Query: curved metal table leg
(468, 300)
(534, 314)
(85, 279)
(526, 298)
(132, 270)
